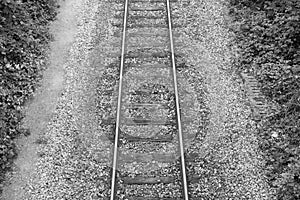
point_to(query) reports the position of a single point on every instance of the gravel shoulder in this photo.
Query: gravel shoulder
(233, 166)
(40, 110)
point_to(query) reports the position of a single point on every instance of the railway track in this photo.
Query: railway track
(148, 124)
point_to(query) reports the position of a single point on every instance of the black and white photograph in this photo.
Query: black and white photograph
(150, 99)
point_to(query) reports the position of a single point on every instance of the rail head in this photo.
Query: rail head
(117, 130)
(178, 114)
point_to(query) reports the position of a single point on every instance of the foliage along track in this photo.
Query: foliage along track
(267, 34)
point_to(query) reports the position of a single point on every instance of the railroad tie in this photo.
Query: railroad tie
(156, 8)
(135, 139)
(155, 34)
(148, 157)
(145, 25)
(143, 121)
(141, 180)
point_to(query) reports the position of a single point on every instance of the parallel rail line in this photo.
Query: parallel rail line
(119, 120)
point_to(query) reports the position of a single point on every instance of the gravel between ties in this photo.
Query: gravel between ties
(231, 166)
(73, 163)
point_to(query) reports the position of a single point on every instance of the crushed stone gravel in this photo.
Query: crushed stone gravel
(73, 163)
(231, 166)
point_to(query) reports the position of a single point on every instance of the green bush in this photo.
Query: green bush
(24, 35)
(268, 35)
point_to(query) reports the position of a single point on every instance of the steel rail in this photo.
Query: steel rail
(181, 146)
(117, 131)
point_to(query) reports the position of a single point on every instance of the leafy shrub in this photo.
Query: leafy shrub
(24, 36)
(268, 35)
